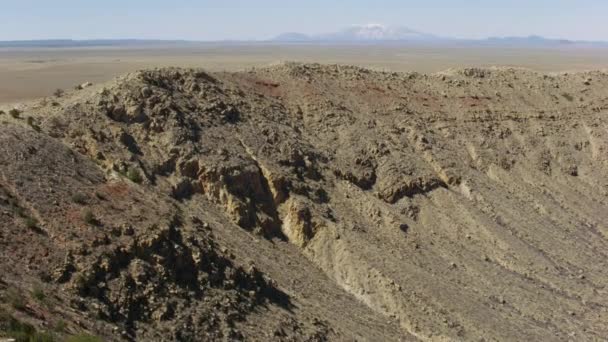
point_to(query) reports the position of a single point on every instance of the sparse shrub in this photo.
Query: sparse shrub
(134, 175)
(100, 196)
(38, 293)
(30, 121)
(58, 93)
(1, 112)
(19, 211)
(61, 326)
(21, 332)
(322, 196)
(84, 338)
(15, 299)
(56, 123)
(78, 87)
(568, 97)
(42, 337)
(10, 327)
(79, 198)
(45, 276)
(81, 284)
(31, 222)
(14, 113)
(89, 217)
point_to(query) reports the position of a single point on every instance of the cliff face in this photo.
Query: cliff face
(310, 202)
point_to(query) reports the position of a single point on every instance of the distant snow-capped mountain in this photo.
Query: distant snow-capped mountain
(361, 33)
(379, 32)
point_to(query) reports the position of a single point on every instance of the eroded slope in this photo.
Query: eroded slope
(465, 205)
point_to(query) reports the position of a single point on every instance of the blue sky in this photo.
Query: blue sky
(260, 19)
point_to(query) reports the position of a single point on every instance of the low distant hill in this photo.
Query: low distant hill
(60, 43)
(537, 41)
(292, 37)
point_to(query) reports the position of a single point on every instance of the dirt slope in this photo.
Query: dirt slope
(310, 202)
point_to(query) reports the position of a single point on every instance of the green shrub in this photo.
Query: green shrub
(13, 327)
(30, 121)
(38, 293)
(21, 336)
(19, 212)
(61, 326)
(89, 217)
(83, 338)
(14, 113)
(568, 97)
(79, 198)
(31, 222)
(15, 299)
(22, 332)
(134, 175)
(42, 337)
(81, 283)
(58, 93)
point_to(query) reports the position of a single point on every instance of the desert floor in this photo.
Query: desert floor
(32, 73)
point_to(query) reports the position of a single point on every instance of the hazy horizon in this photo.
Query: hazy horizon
(210, 20)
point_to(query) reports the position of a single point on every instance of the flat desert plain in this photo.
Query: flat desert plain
(31, 73)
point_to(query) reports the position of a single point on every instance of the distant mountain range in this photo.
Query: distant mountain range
(375, 33)
(370, 32)
(357, 34)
